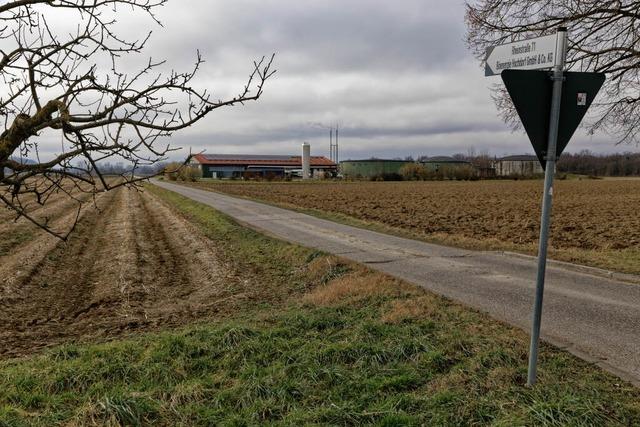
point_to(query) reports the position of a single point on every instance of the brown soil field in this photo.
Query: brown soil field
(133, 264)
(588, 215)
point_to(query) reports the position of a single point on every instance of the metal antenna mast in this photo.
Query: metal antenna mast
(331, 144)
(336, 145)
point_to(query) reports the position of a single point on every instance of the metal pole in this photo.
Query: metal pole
(331, 143)
(336, 144)
(557, 77)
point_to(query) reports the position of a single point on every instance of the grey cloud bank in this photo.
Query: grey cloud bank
(395, 76)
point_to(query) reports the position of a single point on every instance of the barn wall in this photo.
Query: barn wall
(221, 171)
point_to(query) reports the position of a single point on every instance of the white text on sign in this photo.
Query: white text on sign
(525, 54)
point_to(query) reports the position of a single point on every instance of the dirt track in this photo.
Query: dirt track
(134, 265)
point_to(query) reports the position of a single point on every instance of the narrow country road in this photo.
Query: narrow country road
(590, 315)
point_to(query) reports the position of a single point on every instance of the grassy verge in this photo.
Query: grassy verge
(345, 346)
(619, 260)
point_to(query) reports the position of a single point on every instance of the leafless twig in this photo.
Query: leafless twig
(604, 36)
(52, 84)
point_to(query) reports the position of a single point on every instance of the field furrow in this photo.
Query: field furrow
(50, 298)
(130, 265)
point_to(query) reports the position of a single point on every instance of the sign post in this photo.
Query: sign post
(551, 106)
(554, 122)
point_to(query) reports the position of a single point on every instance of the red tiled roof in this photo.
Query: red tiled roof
(212, 159)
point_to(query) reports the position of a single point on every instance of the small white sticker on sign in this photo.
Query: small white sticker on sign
(582, 99)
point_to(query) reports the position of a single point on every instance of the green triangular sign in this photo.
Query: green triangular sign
(530, 91)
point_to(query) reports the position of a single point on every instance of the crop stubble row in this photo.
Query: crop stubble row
(132, 265)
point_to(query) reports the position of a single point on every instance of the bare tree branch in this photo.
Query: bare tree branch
(604, 36)
(52, 84)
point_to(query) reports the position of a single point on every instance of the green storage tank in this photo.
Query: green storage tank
(436, 163)
(371, 167)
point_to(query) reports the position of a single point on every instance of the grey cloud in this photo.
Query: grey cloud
(329, 35)
(309, 131)
(395, 75)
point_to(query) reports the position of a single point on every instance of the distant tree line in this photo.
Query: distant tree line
(120, 168)
(587, 163)
(583, 162)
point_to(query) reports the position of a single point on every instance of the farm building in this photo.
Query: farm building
(520, 165)
(434, 164)
(247, 166)
(371, 167)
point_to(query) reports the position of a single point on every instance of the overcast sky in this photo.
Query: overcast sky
(395, 76)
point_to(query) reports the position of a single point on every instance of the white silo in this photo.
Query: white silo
(306, 160)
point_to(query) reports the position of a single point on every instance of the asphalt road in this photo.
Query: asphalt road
(595, 317)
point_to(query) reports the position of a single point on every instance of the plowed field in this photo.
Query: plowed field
(591, 215)
(131, 265)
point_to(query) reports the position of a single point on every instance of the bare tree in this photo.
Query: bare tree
(70, 86)
(603, 37)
